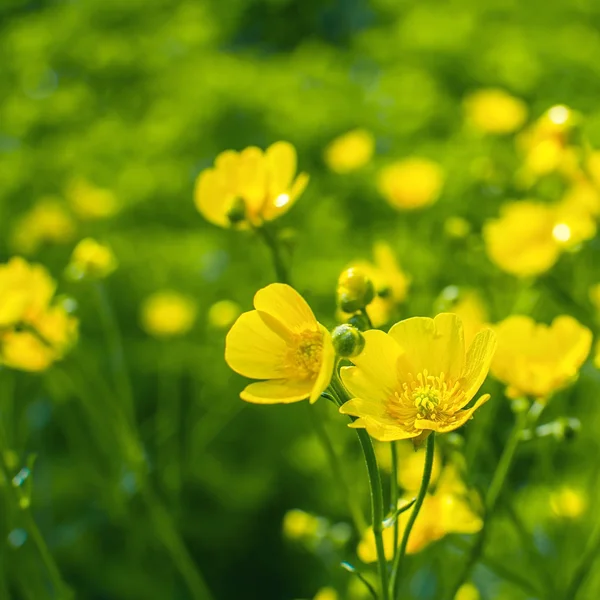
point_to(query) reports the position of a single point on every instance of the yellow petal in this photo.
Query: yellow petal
(286, 305)
(212, 198)
(281, 167)
(327, 366)
(253, 179)
(280, 203)
(479, 359)
(277, 391)
(253, 350)
(460, 419)
(379, 425)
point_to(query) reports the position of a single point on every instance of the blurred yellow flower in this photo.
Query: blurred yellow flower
(350, 151)
(34, 333)
(495, 111)
(326, 593)
(457, 227)
(536, 360)
(411, 183)
(452, 508)
(411, 462)
(281, 341)
(89, 202)
(529, 236)
(298, 524)
(472, 312)
(249, 187)
(91, 260)
(467, 591)
(568, 502)
(223, 313)
(417, 378)
(47, 222)
(167, 314)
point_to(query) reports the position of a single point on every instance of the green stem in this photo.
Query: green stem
(428, 467)
(394, 493)
(377, 510)
(338, 473)
(270, 240)
(524, 419)
(583, 569)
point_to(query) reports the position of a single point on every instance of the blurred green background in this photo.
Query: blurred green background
(137, 97)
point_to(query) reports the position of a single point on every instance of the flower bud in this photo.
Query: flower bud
(355, 290)
(348, 341)
(91, 260)
(237, 212)
(360, 321)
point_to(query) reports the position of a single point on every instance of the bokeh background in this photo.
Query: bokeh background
(133, 99)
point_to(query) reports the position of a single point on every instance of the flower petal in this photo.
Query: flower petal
(281, 167)
(212, 198)
(277, 391)
(375, 420)
(327, 366)
(253, 350)
(479, 357)
(461, 416)
(286, 305)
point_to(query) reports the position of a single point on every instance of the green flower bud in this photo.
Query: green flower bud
(355, 290)
(348, 341)
(237, 212)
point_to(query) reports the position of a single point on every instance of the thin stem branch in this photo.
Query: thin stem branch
(394, 492)
(428, 467)
(279, 265)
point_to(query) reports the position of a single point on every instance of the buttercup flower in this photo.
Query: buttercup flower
(249, 187)
(536, 360)
(350, 151)
(47, 222)
(568, 502)
(529, 236)
(451, 508)
(91, 260)
(223, 313)
(473, 314)
(282, 342)
(417, 378)
(167, 314)
(495, 111)
(34, 333)
(411, 183)
(89, 202)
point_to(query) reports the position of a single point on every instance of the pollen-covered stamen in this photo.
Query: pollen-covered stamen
(305, 354)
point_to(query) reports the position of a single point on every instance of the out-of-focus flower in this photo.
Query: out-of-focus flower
(495, 111)
(90, 202)
(417, 378)
(34, 333)
(350, 151)
(411, 462)
(467, 591)
(282, 342)
(452, 508)
(457, 227)
(223, 313)
(91, 260)
(47, 222)
(472, 312)
(529, 236)
(326, 593)
(249, 187)
(298, 524)
(583, 196)
(411, 183)
(355, 290)
(167, 314)
(536, 360)
(568, 502)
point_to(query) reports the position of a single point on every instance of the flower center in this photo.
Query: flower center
(306, 354)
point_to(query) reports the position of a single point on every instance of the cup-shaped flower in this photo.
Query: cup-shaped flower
(91, 260)
(249, 187)
(283, 343)
(168, 314)
(350, 151)
(495, 111)
(417, 378)
(536, 360)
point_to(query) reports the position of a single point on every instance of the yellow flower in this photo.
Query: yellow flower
(33, 332)
(91, 260)
(223, 313)
(168, 314)
(536, 360)
(417, 378)
(467, 591)
(568, 502)
(495, 111)
(350, 151)
(249, 187)
(47, 221)
(472, 312)
(411, 183)
(326, 593)
(452, 508)
(529, 236)
(90, 202)
(281, 341)
(298, 524)
(411, 462)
